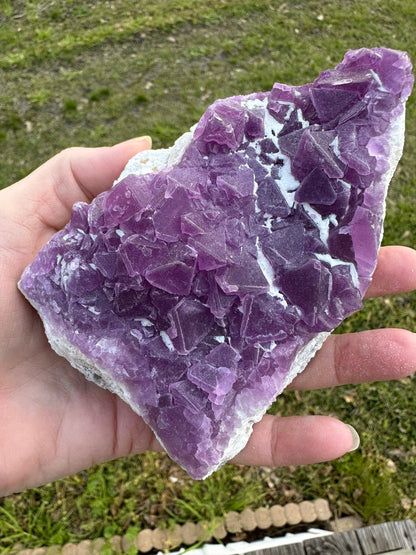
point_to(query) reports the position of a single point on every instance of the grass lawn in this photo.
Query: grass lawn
(95, 72)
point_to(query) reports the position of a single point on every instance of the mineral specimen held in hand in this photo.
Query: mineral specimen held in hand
(209, 275)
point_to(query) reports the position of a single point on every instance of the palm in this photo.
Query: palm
(54, 422)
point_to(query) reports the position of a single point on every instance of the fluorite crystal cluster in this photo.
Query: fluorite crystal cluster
(209, 275)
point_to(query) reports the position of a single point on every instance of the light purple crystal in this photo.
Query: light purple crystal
(199, 291)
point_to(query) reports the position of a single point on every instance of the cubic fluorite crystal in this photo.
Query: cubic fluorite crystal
(209, 275)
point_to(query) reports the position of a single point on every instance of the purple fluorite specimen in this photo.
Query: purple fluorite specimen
(198, 292)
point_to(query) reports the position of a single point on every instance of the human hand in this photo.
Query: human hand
(54, 422)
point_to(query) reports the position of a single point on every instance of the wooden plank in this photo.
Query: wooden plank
(394, 538)
(337, 544)
(410, 533)
(289, 549)
(400, 552)
(382, 538)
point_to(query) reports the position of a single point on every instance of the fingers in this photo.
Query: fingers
(344, 359)
(366, 356)
(374, 355)
(395, 272)
(297, 440)
(75, 174)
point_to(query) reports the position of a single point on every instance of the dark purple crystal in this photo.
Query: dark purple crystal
(198, 292)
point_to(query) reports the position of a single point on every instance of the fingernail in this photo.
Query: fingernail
(355, 438)
(148, 139)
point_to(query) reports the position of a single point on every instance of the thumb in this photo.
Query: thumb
(44, 199)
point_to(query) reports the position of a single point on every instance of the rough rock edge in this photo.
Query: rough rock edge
(103, 378)
(154, 160)
(262, 518)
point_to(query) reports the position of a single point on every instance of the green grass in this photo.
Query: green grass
(98, 72)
